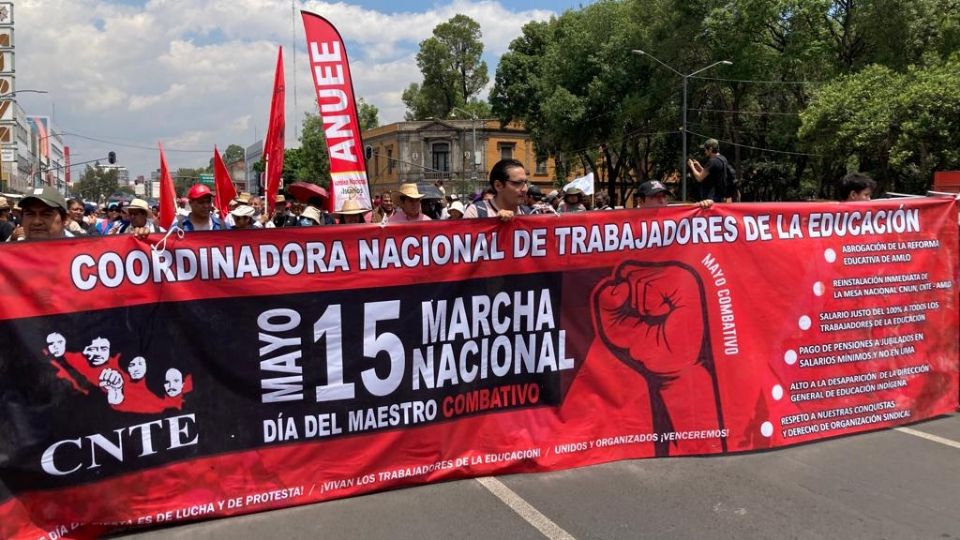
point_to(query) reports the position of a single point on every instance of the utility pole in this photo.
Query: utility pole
(473, 155)
(685, 77)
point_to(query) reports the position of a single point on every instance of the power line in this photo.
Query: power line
(756, 147)
(620, 139)
(746, 112)
(127, 145)
(754, 81)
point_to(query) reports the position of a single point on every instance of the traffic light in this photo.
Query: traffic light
(111, 157)
(368, 151)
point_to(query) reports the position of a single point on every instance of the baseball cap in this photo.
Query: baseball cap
(198, 191)
(652, 187)
(534, 191)
(48, 196)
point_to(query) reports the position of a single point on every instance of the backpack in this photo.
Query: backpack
(731, 185)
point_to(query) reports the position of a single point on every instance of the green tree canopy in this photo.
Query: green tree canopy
(588, 101)
(369, 115)
(452, 67)
(97, 183)
(899, 127)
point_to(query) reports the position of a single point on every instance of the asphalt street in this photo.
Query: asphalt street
(891, 484)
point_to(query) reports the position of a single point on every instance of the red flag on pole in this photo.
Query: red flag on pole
(274, 143)
(221, 179)
(168, 195)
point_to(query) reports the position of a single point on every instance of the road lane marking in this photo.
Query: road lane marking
(524, 509)
(928, 436)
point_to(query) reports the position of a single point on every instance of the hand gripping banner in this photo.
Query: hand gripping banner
(142, 387)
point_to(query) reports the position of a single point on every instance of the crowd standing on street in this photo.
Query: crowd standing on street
(46, 214)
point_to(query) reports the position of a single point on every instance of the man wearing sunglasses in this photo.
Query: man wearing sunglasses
(508, 179)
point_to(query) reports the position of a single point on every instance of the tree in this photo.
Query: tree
(589, 102)
(97, 183)
(369, 115)
(183, 178)
(897, 127)
(452, 67)
(233, 153)
(314, 165)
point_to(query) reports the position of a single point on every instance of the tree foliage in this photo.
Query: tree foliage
(591, 103)
(900, 126)
(96, 184)
(452, 67)
(369, 115)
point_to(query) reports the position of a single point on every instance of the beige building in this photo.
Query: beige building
(459, 152)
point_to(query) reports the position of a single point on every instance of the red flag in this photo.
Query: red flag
(338, 109)
(168, 195)
(274, 143)
(221, 179)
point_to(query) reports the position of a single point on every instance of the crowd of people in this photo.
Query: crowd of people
(45, 213)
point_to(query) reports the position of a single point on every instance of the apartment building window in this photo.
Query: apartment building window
(541, 169)
(389, 160)
(506, 151)
(441, 156)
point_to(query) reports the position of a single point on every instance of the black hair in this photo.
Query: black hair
(855, 181)
(501, 170)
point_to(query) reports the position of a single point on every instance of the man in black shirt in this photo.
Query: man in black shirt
(712, 176)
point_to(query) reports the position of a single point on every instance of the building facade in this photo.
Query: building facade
(458, 152)
(251, 157)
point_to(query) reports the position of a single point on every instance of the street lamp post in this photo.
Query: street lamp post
(473, 155)
(683, 156)
(25, 91)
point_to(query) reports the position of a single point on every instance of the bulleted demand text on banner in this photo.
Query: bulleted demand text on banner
(239, 372)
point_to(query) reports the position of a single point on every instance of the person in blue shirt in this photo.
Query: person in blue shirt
(201, 217)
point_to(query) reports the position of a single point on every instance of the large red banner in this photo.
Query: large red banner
(236, 372)
(338, 109)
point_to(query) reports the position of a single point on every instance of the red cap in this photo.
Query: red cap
(198, 191)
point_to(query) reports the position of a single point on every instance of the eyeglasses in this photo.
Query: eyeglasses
(518, 183)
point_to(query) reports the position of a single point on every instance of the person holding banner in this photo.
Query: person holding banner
(44, 213)
(508, 181)
(653, 194)
(201, 216)
(139, 225)
(410, 210)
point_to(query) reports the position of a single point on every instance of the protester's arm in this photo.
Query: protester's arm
(699, 173)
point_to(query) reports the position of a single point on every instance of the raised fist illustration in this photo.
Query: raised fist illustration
(652, 317)
(112, 383)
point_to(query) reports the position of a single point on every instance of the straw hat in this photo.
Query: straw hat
(138, 204)
(351, 206)
(243, 210)
(409, 190)
(312, 213)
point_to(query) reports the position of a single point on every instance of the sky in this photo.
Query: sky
(122, 75)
